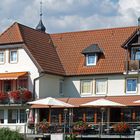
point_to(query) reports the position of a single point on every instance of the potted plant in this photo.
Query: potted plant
(26, 95)
(42, 127)
(3, 97)
(14, 96)
(79, 126)
(121, 128)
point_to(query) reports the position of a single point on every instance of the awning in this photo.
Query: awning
(12, 75)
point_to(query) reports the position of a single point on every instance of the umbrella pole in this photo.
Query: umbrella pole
(49, 115)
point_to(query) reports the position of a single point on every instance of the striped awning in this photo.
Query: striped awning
(12, 75)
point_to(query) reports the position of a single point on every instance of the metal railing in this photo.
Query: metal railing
(99, 129)
(132, 65)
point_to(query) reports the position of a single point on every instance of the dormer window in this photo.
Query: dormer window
(92, 53)
(91, 59)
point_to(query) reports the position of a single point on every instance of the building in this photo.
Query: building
(77, 67)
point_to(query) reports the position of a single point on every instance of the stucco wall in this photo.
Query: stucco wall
(115, 85)
(49, 86)
(24, 64)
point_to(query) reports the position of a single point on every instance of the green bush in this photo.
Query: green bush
(7, 134)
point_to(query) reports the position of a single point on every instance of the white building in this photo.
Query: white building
(76, 66)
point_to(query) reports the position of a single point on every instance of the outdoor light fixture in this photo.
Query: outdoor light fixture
(65, 118)
(102, 118)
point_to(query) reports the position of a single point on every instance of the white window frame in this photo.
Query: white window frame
(91, 87)
(105, 82)
(12, 61)
(1, 62)
(132, 92)
(87, 57)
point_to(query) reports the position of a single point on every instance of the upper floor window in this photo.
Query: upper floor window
(61, 86)
(135, 53)
(13, 56)
(131, 85)
(86, 87)
(1, 56)
(101, 86)
(91, 59)
(92, 52)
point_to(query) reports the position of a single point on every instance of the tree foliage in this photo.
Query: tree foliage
(7, 134)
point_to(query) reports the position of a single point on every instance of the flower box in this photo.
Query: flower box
(3, 97)
(42, 127)
(26, 95)
(121, 128)
(14, 96)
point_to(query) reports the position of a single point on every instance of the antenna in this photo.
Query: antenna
(41, 10)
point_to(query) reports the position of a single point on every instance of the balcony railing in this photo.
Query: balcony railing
(132, 66)
(99, 130)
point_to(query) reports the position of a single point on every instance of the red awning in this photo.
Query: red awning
(12, 75)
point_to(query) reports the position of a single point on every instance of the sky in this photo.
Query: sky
(70, 15)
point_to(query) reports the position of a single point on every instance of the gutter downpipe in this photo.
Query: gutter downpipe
(34, 83)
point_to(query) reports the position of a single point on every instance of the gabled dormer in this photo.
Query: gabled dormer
(92, 54)
(132, 46)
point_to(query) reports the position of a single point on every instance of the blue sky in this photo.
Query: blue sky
(70, 15)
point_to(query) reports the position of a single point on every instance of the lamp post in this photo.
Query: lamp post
(65, 119)
(27, 115)
(102, 119)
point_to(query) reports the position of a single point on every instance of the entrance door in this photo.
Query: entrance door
(115, 114)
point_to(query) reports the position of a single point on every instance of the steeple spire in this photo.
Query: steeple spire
(40, 26)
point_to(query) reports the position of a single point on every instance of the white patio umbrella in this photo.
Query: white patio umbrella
(138, 101)
(49, 101)
(102, 103)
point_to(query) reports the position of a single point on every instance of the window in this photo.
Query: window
(1, 56)
(101, 86)
(17, 116)
(13, 56)
(131, 85)
(7, 85)
(23, 116)
(135, 53)
(13, 116)
(91, 59)
(61, 85)
(86, 87)
(1, 116)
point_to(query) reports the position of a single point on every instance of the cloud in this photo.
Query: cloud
(70, 15)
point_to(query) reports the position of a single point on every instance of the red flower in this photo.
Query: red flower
(26, 95)
(3, 96)
(15, 95)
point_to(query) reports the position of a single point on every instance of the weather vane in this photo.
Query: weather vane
(41, 10)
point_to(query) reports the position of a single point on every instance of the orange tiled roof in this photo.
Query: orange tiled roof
(126, 100)
(61, 53)
(70, 45)
(38, 45)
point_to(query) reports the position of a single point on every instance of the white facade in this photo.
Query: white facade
(116, 86)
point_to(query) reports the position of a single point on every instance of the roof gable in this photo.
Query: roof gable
(11, 35)
(38, 45)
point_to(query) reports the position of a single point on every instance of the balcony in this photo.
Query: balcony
(132, 66)
(15, 97)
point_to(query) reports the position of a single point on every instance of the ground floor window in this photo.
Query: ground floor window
(16, 116)
(23, 116)
(1, 116)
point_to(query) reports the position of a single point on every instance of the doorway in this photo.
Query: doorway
(115, 114)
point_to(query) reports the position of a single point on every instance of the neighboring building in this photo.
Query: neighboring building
(93, 64)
